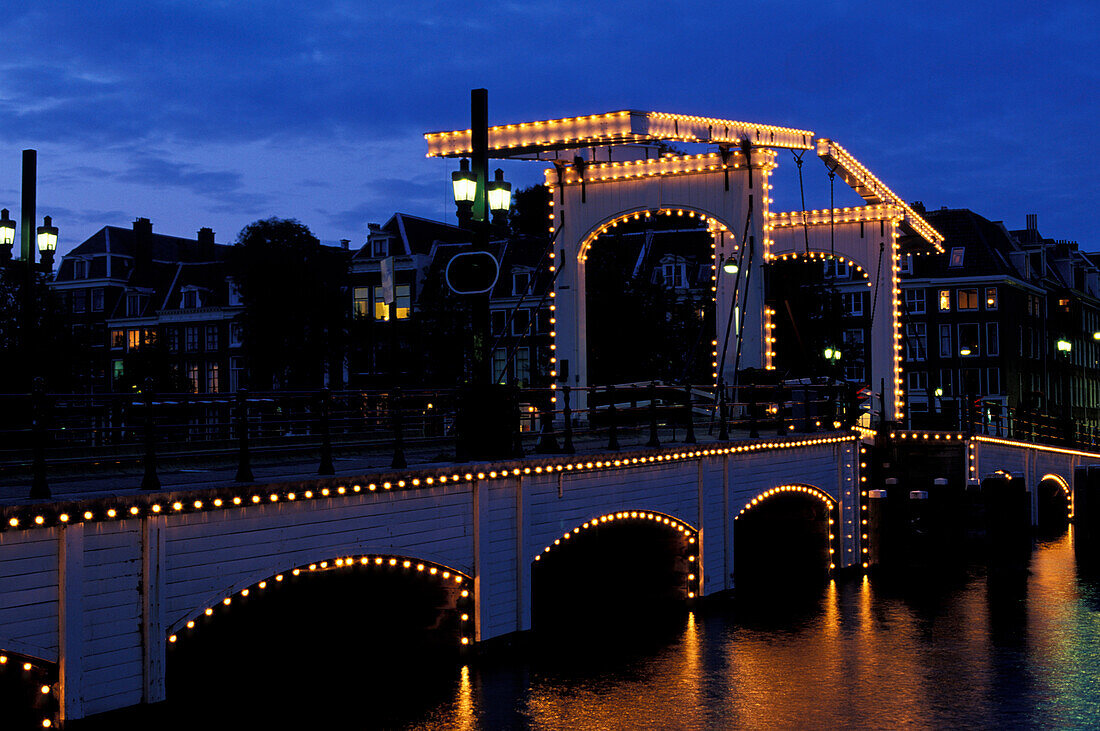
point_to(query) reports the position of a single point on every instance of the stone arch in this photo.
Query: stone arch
(1054, 501)
(457, 582)
(828, 517)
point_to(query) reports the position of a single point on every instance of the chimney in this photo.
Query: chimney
(345, 244)
(143, 246)
(918, 206)
(206, 252)
(1032, 222)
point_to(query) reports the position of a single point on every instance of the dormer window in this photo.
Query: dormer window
(521, 282)
(672, 275)
(190, 299)
(135, 303)
(80, 269)
(234, 293)
(380, 248)
(956, 257)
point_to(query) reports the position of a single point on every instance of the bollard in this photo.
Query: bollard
(398, 462)
(326, 467)
(612, 420)
(567, 417)
(244, 460)
(150, 481)
(40, 490)
(653, 442)
(689, 417)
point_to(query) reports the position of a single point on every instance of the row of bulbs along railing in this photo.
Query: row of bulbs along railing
(74, 435)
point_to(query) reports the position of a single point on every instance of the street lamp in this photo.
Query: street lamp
(464, 182)
(500, 197)
(7, 235)
(832, 354)
(1064, 346)
(729, 266)
(47, 242)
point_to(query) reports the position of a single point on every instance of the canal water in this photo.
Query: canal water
(1016, 646)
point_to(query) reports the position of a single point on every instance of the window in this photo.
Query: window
(916, 341)
(498, 320)
(149, 337)
(97, 299)
(945, 342)
(190, 300)
(118, 338)
(173, 340)
(381, 247)
(957, 257)
(381, 309)
(853, 337)
(234, 293)
(835, 268)
(360, 302)
(968, 299)
(918, 381)
(236, 334)
(523, 365)
(500, 359)
(991, 298)
(80, 269)
(236, 373)
(520, 321)
(970, 340)
(193, 376)
(116, 370)
(945, 300)
(673, 275)
(133, 339)
(946, 384)
(992, 339)
(403, 304)
(914, 301)
(907, 264)
(211, 337)
(994, 379)
(852, 303)
(79, 300)
(191, 341)
(212, 382)
(521, 282)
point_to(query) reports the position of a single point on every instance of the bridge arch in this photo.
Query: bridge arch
(29, 688)
(1054, 502)
(714, 224)
(631, 561)
(790, 528)
(458, 582)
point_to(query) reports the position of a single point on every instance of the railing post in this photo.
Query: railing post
(807, 420)
(653, 442)
(779, 430)
(244, 460)
(567, 416)
(326, 467)
(399, 462)
(150, 481)
(612, 420)
(548, 443)
(689, 417)
(40, 490)
(754, 433)
(723, 425)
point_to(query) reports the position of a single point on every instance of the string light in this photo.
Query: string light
(42, 675)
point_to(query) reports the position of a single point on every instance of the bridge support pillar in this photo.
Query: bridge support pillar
(152, 609)
(70, 619)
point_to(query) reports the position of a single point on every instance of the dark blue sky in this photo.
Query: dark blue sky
(215, 114)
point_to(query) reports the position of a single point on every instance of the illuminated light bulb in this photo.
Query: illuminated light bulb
(279, 577)
(325, 491)
(262, 584)
(236, 501)
(244, 592)
(378, 561)
(46, 689)
(13, 522)
(465, 617)
(420, 567)
(64, 517)
(111, 512)
(465, 593)
(191, 624)
(133, 511)
(465, 640)
(208, 611)
(255, 498)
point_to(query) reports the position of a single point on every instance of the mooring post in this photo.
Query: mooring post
(399, 462)
(40, 490)
(567, 417)
(653, 442)
(689, 417)
(244, 461)
(326, 467)
(612, 420)
(150, 481)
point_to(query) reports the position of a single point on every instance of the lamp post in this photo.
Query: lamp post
(1065, 350)
(47, 243)
(7, 236)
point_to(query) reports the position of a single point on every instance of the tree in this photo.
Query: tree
(295, 295)
(530, 213)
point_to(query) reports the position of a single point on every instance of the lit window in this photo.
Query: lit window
(118, 338)
(116, 370)
(968, 299)
(212, 378)
(945, 300)
(957, 257)
(193, 377)
(970, 340)
(403, 304)
(991, 298)
(133, 339)
(381, 309)
(360, 302)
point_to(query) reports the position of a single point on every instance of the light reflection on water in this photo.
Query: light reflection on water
(998, 648)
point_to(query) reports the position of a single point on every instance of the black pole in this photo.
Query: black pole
(399, 462)
(26, 249)
(326, 467)
(689, 418)
(567, 417)
(479, 143)
(244, 460)
(653, 442)
(40, 490)
(150, 481)
(723, 425)
(612, 420)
